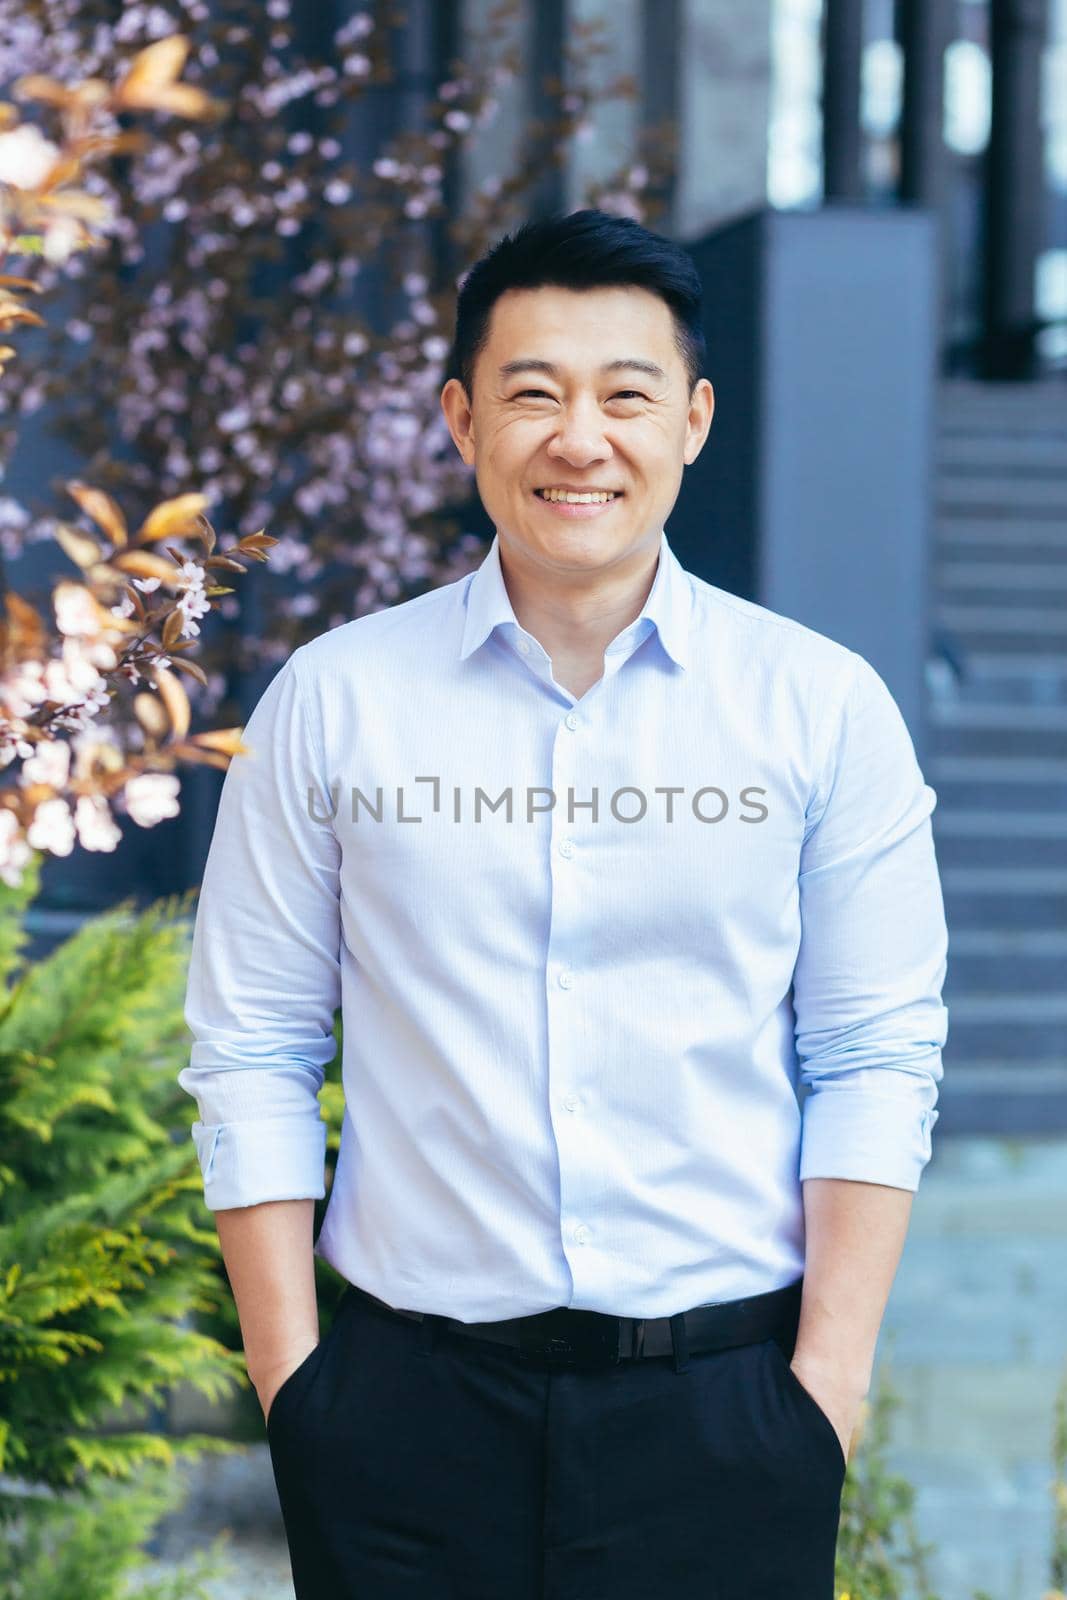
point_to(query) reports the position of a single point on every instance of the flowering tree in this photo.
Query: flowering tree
(235, 351)
(120, 750)
(220, 357)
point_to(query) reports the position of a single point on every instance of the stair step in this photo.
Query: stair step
(1005, 881)
(967, 492)
(955, 795)
(1010, 941)
(1002, 621)
(1037, 1040)
(1000, 973)
(987, 850)
(999, 769)
(969, 714)
(1001, 576)
(1036, 1007)
(977, 453)
(998, 741)
(988, 664)
(983, 1073)
(1013, 533)
(1033, 404)
(1000, 824)
(1006, 897)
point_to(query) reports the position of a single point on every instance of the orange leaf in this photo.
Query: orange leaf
(105, 511)
(23, 630)
(174, 698)
(151, 714)
(172, 629)
(152, 69)
(182, 100)
(81, 547)
(171, 517)
(189, 666)
(224, 561)
(75, 203)
(193, 753)
(143, 564)
(11, 313)
(228, 740)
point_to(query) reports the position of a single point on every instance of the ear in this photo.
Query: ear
(701, 411)
(460, 418)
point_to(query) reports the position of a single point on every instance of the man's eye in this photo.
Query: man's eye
(635, 393)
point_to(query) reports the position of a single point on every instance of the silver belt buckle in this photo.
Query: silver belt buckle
(569, 1339)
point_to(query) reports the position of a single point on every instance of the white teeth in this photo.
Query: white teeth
(559, 495)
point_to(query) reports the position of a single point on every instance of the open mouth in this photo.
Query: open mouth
(587, 497)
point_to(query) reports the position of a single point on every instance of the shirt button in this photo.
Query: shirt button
(565, 980)
(570, 721)
(581, 1235)
(524, 646)
(566, 847)
(571, 1102)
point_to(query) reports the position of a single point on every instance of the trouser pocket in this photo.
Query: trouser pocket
(810, 1412)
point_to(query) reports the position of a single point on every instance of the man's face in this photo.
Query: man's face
(561, 403)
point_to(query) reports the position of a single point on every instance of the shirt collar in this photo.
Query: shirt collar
(668, 606)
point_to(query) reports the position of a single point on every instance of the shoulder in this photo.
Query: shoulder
(377, 635)
(754, 636)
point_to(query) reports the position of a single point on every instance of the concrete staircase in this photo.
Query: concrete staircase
(998, 750)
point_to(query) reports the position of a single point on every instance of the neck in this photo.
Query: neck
(575, 616)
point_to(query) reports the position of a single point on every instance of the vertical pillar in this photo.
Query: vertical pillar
(842, 133)
(661, 34)
(1014, 189)
(925, 29)
(548, 25)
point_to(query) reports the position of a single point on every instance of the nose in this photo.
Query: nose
(579, 435)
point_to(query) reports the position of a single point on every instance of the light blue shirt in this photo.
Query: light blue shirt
(573, 1036)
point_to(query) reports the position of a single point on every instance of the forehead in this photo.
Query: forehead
(580, 329)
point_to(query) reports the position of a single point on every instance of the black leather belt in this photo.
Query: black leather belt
(569, 1338)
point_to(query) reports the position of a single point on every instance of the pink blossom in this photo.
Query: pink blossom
(26, 157)
(96, 826)
(50, 763)
(75, 610)
(52, 828)
(14, 850)
(152, 796)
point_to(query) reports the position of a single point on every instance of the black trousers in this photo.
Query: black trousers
(435, 1467)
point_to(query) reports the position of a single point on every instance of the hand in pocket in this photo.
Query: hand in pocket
(275, 1381)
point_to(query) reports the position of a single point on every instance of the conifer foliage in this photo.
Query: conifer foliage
(107, 1256)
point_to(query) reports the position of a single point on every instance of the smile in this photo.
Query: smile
(576, 496)
(578, 504)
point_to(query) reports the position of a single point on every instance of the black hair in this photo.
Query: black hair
(579, 250)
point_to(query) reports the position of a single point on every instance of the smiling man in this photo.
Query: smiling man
(622, 861)
(580, 457)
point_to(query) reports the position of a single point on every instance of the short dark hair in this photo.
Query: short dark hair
(579, 250)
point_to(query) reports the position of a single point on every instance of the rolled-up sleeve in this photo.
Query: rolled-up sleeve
(870, 1023)
(264, 970)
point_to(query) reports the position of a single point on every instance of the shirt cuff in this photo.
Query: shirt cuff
(245, 1163)
(869, 1138)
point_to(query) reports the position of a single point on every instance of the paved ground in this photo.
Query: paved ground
(975, 1340)
(976, 1337)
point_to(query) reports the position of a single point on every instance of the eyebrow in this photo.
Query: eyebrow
(623, 364)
